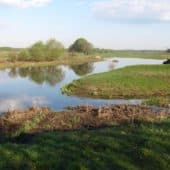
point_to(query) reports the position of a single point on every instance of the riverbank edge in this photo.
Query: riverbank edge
(37, 120)
(69, 60)
(93, 86)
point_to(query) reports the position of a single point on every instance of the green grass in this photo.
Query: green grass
(144, 81)
(30, 124)
(158, 101)
(142, 146)
(134, 54)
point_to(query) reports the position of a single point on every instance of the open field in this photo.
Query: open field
(143, 81)
(143, 144)
(134, 54)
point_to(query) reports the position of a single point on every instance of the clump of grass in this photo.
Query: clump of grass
(30, 124)
(159, 101)
(67, 89)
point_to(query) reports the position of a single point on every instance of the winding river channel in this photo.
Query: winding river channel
(41, 86)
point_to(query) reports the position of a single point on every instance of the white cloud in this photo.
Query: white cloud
(25, 3)
(158, 10)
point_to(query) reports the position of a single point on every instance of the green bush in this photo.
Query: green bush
(24, 55)
(54, 49)
(40, 51)
(81, 45)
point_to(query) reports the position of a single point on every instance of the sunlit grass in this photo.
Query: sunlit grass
(143, 81)
(142, 146)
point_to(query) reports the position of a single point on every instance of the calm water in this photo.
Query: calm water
(40, 86)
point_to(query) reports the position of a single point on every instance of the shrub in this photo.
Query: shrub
(81, 45)
(54, 49)
(40, 51)
(24, 55)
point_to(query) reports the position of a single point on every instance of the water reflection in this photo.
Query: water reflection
(41, 86)
(83, 69)
(21, 102)
(49, 74)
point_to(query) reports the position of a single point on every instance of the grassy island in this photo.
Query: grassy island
(144, 81)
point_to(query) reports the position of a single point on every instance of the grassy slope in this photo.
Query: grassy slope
(130, 82)
(145, 146)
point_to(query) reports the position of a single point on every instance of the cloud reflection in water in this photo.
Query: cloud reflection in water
(21, 102)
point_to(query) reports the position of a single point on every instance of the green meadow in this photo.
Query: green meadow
(133, 147)
(144, 81)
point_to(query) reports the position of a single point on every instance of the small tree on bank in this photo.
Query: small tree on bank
(81, 45)
(54, 48)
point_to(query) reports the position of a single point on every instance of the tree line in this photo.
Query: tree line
(51, 50)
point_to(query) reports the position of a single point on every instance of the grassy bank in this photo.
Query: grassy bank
(141, 146)
(7, 58)
(143, 143)
(143, 81)
(134, 54)
(36, 120)
(66, 60)
(158, 101)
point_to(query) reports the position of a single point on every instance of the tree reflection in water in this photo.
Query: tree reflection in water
(49, 74)
(82, 69)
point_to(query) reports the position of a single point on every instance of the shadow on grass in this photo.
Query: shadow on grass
(138, 146)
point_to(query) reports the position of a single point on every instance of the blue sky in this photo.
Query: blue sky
(115, 24)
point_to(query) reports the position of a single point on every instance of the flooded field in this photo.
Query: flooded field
(41, 86)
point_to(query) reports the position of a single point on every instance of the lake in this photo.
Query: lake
(41, 86)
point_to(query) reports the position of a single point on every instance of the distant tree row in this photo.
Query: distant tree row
(51, 50)
(42, 51)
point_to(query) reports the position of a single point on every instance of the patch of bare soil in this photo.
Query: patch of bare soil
(43, 119)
